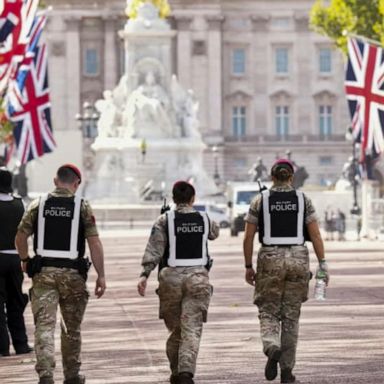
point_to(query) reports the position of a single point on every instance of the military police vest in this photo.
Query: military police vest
(282, 218)
(59, 228)
(11, 213)
(188, 238)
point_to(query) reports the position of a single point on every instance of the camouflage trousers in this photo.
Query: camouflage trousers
(282, 279)
(51, 288)
(184, 294)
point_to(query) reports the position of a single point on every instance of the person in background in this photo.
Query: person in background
(12, 299)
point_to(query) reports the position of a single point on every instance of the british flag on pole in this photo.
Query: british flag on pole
(32, 116)
(364, 86)
(12, 50)
(9, 17)
(17, 82)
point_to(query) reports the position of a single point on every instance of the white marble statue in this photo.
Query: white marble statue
(147, 106)
(190, 121)
(148, 110)
(109, 116)
(186, 109)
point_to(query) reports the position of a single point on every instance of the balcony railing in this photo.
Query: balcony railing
(285, 139)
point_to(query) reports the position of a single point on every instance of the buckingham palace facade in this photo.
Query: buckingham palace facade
(265, 82)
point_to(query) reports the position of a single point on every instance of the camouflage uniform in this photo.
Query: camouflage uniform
(184, 294)
(281, 285)
(58, 286)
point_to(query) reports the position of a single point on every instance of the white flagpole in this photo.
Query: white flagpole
(363, 38)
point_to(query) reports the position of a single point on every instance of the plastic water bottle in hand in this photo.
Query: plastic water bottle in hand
(320, 284)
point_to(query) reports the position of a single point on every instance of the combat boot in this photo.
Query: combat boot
(287, 377)
(185, 378)
(274, 354)
(46, 380)
(174, 379)
(24, 350)
(80, 379)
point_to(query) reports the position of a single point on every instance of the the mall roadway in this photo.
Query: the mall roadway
(341, 339)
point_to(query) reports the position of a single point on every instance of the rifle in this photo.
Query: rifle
(165, 206)
(261, 188)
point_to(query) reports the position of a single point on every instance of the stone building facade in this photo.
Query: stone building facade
(265, 82)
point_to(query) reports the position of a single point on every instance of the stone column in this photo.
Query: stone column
(110, 53)
(184, 51)
(259, 46)
(73, 74)
(215, 117)
(304, 73)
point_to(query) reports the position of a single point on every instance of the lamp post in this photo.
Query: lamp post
(88, 125)
(216, 175)
(355, 172)
(88, 120)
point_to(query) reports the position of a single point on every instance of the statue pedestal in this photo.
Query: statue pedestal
(122, 172)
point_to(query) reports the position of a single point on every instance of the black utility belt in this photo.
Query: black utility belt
(282, 245)
(59, 263)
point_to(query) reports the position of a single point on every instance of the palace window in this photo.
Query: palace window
(281, 60)
(282, 120)
(325, 60)
(92, 62)
(325, 120)
(238, 61)
(239, 121)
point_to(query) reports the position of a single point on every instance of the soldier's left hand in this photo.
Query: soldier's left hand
(142, 285)
(250, 276)
(100, 287)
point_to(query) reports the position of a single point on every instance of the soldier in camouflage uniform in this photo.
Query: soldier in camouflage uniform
(59, 279)
(284, 218)
(178, 242)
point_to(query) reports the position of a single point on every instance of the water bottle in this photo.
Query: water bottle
(320, 285)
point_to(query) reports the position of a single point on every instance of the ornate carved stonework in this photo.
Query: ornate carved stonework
(260, 23)
(183, 23)
(215, 22)
(301, 22)
(199, 48)
(57, 48)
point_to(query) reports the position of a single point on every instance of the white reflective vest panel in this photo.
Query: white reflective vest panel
(73, 252)
(175, 257)
(268, 239)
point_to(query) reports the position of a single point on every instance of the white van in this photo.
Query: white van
(240, 196)
(214, 212)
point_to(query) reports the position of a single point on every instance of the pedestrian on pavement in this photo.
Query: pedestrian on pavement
(60, 222)
(12, 299)
(285, 219)
(178, 244)
(341, 224)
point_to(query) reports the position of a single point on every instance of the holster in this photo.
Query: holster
(83, 266)
(208, 266)
(34, 266)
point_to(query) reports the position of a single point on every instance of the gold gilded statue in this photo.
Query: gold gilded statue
(133, 6)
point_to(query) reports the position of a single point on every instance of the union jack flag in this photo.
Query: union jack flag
(17, 82)
(364, 86)
(9, 17)
(32, 118)
(13, 49)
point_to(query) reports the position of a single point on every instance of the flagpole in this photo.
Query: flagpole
(367, 185)
(356, 36)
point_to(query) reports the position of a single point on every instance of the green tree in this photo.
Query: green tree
(360, 17)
